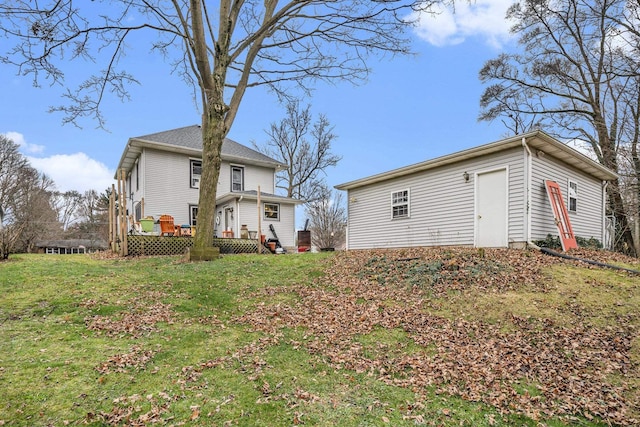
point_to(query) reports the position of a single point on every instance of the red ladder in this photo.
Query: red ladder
(560, 216)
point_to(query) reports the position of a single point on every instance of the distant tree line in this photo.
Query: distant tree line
(32, 209)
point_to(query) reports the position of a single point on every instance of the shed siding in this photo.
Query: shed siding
(586, 222)
(441, 208)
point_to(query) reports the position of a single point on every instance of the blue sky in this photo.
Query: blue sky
(411, 109)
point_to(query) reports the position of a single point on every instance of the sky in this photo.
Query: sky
(410, 109)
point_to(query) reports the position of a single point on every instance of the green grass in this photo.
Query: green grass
(87, 341)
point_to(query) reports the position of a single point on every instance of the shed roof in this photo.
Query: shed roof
(188, 140)
(537, 140)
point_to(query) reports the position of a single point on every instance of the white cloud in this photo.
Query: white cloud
(69, 171)
(19, 139)
(75, 172)
(482, 18)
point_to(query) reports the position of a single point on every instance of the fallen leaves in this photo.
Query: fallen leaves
(534, 367)
(136, 359)
(140, 318)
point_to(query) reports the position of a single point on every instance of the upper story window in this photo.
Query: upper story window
(237, 178)
(400, 204)
(573, 196)
(196, 173)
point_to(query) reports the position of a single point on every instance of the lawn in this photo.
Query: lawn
(444, 337)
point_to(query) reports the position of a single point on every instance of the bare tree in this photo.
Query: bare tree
(25, 201)
(247, 44)
(67, 205)
(12, 165)
(305, 148)
(93, 220)
(327, 220)
(569, 77)
(33, 210)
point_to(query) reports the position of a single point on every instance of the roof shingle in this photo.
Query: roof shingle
(191, 137)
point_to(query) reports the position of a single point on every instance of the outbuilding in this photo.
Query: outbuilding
(493, 195)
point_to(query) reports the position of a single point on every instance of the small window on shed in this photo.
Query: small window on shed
(573, 196)
(400, 204)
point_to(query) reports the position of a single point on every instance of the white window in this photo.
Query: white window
(196, 173)
(572, 197)
(400, 204)
(272, 211)
(237, 178)
(193, 214)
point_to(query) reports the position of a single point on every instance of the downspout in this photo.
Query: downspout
(527, 187)
(603, 208)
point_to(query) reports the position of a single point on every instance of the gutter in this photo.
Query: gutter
(527, 187)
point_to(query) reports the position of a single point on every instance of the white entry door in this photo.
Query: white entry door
(491, 209)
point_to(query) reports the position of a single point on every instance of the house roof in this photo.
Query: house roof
(188, 140)
(253, 195)
(72, 243)
(536, 140)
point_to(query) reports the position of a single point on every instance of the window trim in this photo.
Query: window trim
(192, 163)
(277, 211)
(241, 169)
(395, 204)
(192, 218)
(570, 196)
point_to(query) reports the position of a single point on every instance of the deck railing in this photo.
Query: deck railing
(139, 245)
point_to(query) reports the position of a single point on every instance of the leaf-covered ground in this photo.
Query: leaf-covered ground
(534, 365)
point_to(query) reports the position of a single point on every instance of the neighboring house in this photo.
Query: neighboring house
(163, 178)
(488, 196)
(70, 246)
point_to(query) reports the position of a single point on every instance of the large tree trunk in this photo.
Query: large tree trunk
(623, 239)
(213, 134)
(623, 233)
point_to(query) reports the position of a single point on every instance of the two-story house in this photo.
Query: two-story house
(163, 178)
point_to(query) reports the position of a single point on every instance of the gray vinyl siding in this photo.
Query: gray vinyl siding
(165, 179)
(586, 222)
(254, 176)
(167, 185)
(246, 213)
(284, 227)
(441, 210)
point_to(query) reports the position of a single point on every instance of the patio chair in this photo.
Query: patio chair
(167, 228)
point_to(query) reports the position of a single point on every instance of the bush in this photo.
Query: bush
(553, 242)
